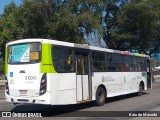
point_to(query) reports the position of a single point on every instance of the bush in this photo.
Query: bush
(1, 67)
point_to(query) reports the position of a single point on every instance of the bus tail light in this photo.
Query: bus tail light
(43, 84)
(6, 85)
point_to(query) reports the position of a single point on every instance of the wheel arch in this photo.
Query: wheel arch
(142, 83)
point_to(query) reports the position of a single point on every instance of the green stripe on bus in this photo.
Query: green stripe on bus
(6, 63)
(124, 79)
(145, 77)
(46, 64)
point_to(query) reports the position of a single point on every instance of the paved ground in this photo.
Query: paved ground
(150, 101)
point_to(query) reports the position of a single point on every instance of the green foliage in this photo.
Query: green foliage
(8, 28)
(137, 21)
(136, 26)
(124, 24)
(1, 65)
(62, 20)
(112, 10)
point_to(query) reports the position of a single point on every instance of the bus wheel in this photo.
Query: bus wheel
(140, 92)
(100, 96)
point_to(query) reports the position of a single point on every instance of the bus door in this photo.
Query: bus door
(82, 70)
(149, 74)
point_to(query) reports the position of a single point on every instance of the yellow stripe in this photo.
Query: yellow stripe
(6, 61)
(84, 101)
(46, 64)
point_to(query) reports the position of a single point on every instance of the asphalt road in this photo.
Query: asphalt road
(2, 95)
(150, 101)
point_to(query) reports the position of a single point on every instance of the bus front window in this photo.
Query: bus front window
(24, 53)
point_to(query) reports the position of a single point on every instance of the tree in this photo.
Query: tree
(51, 19)
(8, 28)
(109, 23)
(82, 15)
(137, 27)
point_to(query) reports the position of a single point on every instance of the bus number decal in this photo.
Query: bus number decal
(30, 78)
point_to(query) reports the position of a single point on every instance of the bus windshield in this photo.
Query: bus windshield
(24, 53)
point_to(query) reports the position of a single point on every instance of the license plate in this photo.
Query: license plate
(23, 92)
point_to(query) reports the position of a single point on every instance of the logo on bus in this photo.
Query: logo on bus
(30, 77)
(144, 74)
(11, 74)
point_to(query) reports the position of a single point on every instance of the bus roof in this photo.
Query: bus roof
(84, 46)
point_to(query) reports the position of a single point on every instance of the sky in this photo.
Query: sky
(3, 3)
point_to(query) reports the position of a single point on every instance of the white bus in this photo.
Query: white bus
(43, 71)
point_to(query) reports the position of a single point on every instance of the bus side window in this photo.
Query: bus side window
(63, 61)
(142, 64)
(99, 63)
(69, 59)
(94, 68)
(139, 64)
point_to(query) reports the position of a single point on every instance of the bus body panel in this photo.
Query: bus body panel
(24, 77)
(28, 82)
(118, 83)
(63, 88)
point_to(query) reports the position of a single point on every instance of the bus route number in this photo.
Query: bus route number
(30, 78)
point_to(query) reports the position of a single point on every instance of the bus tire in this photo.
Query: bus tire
(100, 96)
(140, 92)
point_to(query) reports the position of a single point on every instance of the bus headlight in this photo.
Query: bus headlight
(43, 84)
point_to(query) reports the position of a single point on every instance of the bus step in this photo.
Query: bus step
(84, 101)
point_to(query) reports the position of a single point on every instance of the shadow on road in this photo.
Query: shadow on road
(65, 110)
(52, 110)
(122, 97)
